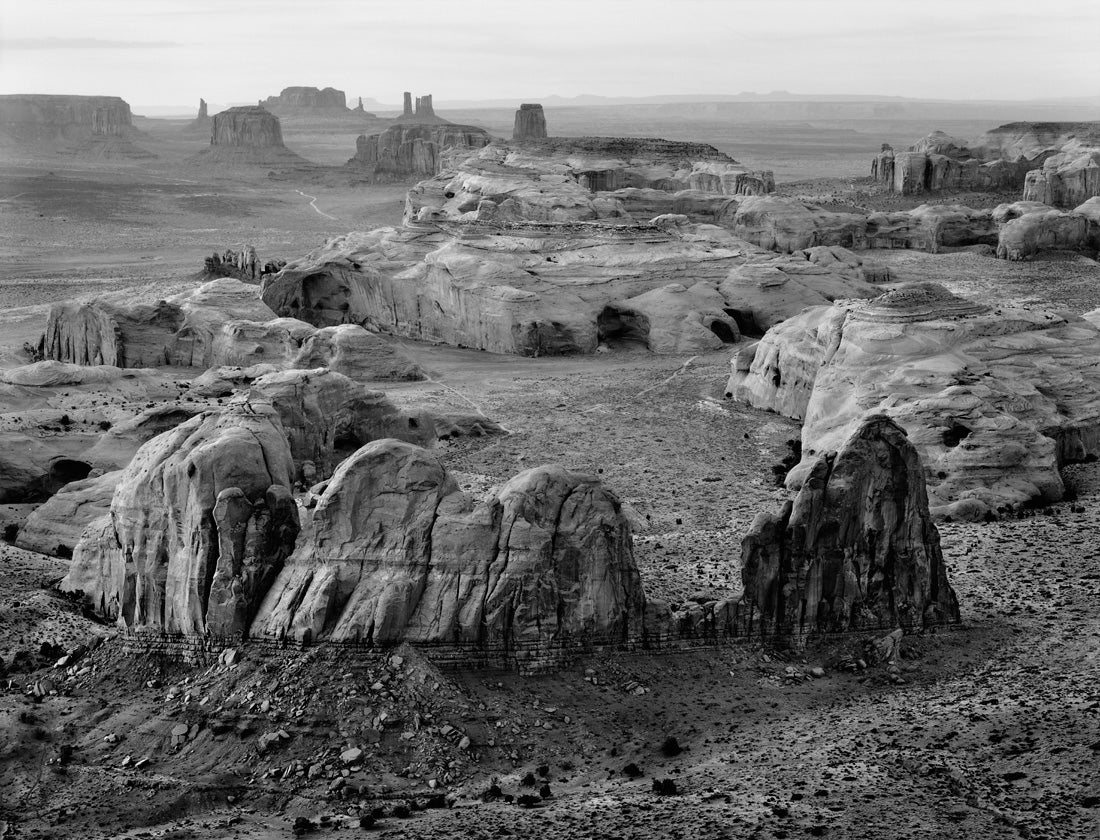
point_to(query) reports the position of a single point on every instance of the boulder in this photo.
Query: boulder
(396, 552)
(995, 399)
(199, 525)
(857, 548)
(55, 526)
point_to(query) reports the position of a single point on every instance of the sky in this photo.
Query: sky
(170, 52)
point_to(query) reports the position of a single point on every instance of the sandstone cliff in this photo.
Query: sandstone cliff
(412, 150)
(297, 100)
(222, 322)
(87, 125)
(199, 526)
(856, 549)
(530, 122)
(995, 399)
(247, 135)
(396, 552)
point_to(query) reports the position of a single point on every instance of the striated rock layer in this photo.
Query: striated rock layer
(411, 150)
(534, 289)
(856, 549)
(397, 552)
(200, 523)
(995, 399)
(93, 125)
(530, 122)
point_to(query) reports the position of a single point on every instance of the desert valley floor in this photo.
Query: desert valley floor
(988, 729)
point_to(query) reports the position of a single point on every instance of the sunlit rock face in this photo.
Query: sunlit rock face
(856, 549)
(994, 399)
(396, 551)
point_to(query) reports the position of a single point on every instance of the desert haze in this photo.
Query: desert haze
(549, 419)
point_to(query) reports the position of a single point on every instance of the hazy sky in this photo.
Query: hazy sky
(174, 51)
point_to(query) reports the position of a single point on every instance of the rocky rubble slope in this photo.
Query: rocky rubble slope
(856, 548)
(995, 399)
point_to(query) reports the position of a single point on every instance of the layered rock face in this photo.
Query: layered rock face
(294, 100)
(396, 552)
(1055, 163)
(55, 526)
(785, 225)
(222, 322)
(994, 399)
(530, 122)
(583, 179)
(539, 289)
(247, 134)
(411, 150)
(99, 126)
(200, 524)
(857, 548)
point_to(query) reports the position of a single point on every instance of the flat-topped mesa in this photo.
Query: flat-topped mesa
(971, 383)
(247, 125)
(305, 100)
(1055, 163)
(857, 548)
(411, 150)
(530, 122)
(49, 114)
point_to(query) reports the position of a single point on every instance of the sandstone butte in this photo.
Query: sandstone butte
(247, 135)
(204, 539)
(95, 126)
(994, 399)
(1054, 163)
(856, 548)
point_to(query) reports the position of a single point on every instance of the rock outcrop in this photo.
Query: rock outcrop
(410, 150)
(222, 322)
(995, 399)
(200, 524)
(55, 526)
(857, 548)
(1054, 163)
(246, 135)
(575, 179)
(530, 122)
(307, 100)
(93, 125)
(530, 289)
(326, 417)
(397, 553)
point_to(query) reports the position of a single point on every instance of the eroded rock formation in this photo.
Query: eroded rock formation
(411, 150)
(396, 552)
(534, 289)
(200, 524)
(995, 399)
(95, 125)
(222, 322)
(247, 134)
(308, 100)
(530, 122)
(55, 526)
(856, 549)
(1054, 163)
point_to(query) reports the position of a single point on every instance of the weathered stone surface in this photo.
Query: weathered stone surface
(397, 552)
(220, 322)
(56, 525)
(1028, 228)
(247, 134)
(200, 522)
(784, 225)
(327, 416)
(408, 151)
(118, 445)
(530, 122)
(671, 319)
(1054, 163)
(94, 125)
(307, 100)
(995, 399)
(856, 549)
(357, 353)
